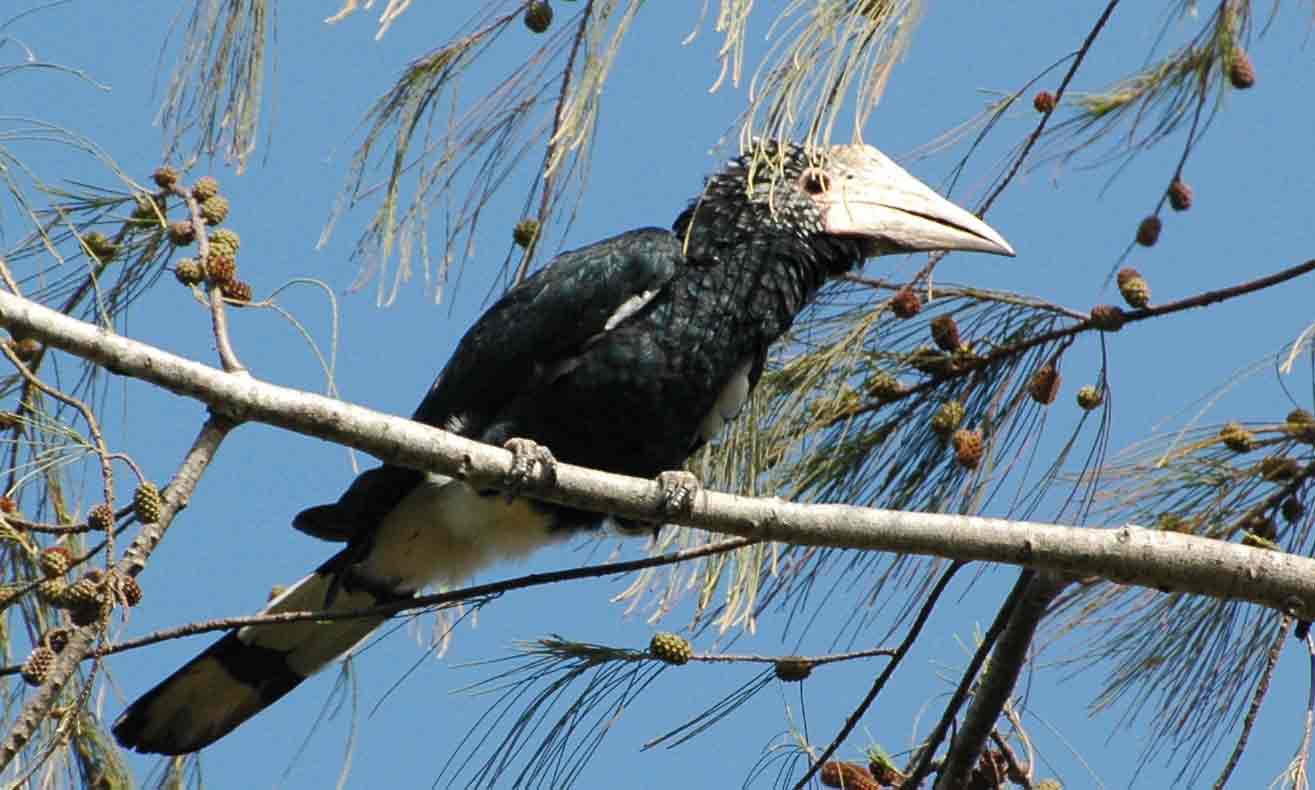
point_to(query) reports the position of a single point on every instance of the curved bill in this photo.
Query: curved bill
(870, 196)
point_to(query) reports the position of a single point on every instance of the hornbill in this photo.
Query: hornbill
(626, 355)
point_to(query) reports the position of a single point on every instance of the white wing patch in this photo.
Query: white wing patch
(628, 308)
(729, 403)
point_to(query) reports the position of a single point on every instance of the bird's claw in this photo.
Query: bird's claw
(678, 489)
(532, 466)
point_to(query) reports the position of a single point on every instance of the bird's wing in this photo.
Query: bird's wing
(517, 346)
(518, 343)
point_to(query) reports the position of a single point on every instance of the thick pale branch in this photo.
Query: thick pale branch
(1128, 554)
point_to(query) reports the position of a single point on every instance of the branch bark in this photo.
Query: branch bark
(998, 681)
(1127, 555)
(82, 642)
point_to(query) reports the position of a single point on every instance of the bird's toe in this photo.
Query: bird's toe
(678, 489)
(532, 465)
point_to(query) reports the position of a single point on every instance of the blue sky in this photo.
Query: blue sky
(1068, 221)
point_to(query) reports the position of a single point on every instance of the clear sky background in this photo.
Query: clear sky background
(1253, 179)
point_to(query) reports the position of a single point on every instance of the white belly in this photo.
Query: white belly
(444, 531)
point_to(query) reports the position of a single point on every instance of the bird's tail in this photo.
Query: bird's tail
(247, 670)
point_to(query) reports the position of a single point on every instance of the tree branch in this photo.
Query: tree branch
(1262, 688)
(998, 681)
(214, 294)
(1087, 324)
(1127, 555)
(82, 641)
(924, 760)
(479, 591)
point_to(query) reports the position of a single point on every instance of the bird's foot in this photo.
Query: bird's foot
(678, 489)
(532, 466)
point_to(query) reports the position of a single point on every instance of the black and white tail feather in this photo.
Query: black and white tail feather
(442, 532)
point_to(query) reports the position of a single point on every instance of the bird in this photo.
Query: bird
(626, 355)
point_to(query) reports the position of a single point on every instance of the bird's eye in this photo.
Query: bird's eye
(814, 181)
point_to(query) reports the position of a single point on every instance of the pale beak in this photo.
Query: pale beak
(869, 196)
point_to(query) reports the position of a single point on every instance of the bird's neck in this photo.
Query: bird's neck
(796, 264)
(770, 273)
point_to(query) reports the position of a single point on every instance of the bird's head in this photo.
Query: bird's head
(850, 193)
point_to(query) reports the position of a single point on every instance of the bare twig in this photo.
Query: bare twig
(1032, 139)
(1262, 688)
(877, 685)
(485, 591)
(82, 640)
(816, 661)
(924, 762)
(997, 682)
(934, 258)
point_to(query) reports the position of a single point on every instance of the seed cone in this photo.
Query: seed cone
(905, 303)
(1134, 288)
(671, 648)
(1148, 232)
(1180, 195)
(1090, 397)
(968, 447)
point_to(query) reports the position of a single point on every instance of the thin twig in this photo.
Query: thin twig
(550, 152)
(23, 524)
(816, 661)
(82, 640)
(1035, 136)
(1011, 654)
(1262, 688)
(877, 685)
(1187, 146)
(1079, 56)
(485, 591)
(218, 315)
(922, 763)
